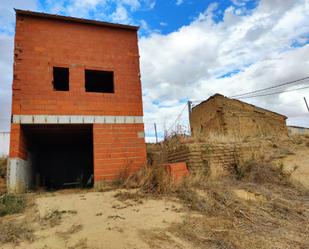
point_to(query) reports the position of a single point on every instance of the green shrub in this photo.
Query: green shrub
(11, 204)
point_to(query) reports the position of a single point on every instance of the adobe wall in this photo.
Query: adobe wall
(236, 120)
(216, 159)
(207, 119)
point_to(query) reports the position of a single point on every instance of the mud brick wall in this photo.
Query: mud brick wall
(220, 116)
(216, 159)
(189, 153)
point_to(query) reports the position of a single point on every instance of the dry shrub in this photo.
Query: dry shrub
(151, 179)
(3, 165)
(54, 217)
(260, 172)
(15, 232)
(229, 221)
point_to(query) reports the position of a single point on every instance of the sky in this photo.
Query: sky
(191, 50)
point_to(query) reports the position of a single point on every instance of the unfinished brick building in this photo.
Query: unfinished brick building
(77, 114)
(220, 116)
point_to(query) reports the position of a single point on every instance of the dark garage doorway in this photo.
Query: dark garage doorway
(61, 155)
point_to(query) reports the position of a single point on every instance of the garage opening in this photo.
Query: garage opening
(61, 156)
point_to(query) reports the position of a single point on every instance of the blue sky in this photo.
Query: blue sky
(192, 49)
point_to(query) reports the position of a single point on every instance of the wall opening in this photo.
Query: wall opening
(99, 81)
(61, 155)
(61, 79)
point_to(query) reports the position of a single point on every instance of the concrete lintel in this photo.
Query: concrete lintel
(76, 119)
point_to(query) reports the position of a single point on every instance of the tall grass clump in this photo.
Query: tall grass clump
(11, 204)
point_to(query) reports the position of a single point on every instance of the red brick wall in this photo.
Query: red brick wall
(18, 146)
(42, 43)
(117, 149)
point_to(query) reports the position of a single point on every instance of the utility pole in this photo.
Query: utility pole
(306, 103)
(189, 114)
(155, 127)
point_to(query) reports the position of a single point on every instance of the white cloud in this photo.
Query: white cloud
(120, 15)
(187, 63)
(7, 19)
(239, 2)
(179, 2)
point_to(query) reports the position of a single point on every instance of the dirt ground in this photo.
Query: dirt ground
(298, 164)
(97, 220)
(260, 208)
(227, 214)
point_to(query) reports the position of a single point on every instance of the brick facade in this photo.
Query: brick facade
(46, 41)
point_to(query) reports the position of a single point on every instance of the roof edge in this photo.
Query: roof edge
(75, 19)
(298, 127)
(220, 95)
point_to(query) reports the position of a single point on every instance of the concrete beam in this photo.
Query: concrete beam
(76, 119)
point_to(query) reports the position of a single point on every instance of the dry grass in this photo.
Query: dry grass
(14, 232)
(67, 234)
(3, 165)
(275, 216)
(260, 173)
(54, 217)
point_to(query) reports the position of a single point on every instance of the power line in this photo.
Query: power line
(272, 87)
(267, 94)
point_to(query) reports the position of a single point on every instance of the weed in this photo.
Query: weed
(54, 217)
(11, 204)
(3, 165)
(73, 229)
(260, 172)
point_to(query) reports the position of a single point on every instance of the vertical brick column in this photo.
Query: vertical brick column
(19, 175)
(18, 147)
(118, 149)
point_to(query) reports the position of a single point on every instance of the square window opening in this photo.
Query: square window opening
(61, 79)
(99, 81)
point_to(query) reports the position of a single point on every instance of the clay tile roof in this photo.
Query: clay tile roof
(75, 19)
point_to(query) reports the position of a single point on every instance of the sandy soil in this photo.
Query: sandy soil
(99, 220)
(298, 165)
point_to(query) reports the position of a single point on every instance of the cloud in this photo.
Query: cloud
(257, 44)
(120, 15)
(179, 2)
(7, 19)
(247, 50)
(99, 9)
